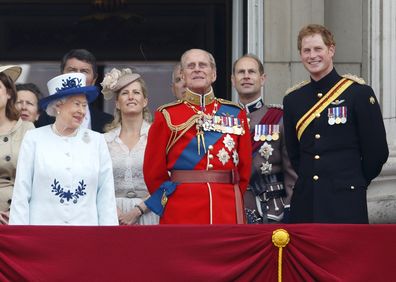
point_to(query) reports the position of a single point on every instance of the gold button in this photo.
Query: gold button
(210, 156)
(317, 136)
(317, 157)
(320, 95)
(317, 115)
(210, 147)
(315, 177)
(210, 166)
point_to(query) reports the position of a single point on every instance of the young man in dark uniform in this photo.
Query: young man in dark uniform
(272, 179)
(81, 60)
(335, 136)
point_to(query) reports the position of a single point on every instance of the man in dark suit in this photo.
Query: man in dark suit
(82, 61)
(335, 136)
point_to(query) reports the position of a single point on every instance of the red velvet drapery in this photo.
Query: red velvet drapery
(316, 252)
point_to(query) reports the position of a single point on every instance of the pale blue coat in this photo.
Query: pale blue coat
(63, 180)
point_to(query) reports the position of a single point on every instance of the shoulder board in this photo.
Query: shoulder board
(275, 106)
(354, 78)
(177, 102)
(297, 86)
(223, 101)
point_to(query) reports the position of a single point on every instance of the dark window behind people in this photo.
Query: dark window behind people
(335, 136)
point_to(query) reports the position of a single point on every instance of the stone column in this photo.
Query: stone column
(381, 194)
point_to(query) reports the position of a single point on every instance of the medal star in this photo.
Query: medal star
(266, 150)
(266, 168)
(223, 156)
(235, 157)
(229, 142)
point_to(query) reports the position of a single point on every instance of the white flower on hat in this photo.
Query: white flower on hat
(110, 81)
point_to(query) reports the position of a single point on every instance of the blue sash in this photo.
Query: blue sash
(189, 158)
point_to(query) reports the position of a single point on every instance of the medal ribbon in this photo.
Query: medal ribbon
(330, 96)
(188, 159)
(272, 116)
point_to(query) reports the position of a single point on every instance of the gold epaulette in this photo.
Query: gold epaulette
(297, 86)
(227, 102)
(276, 106)
(177, 102)
(354, 78)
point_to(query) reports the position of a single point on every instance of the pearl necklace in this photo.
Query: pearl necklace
(55, 130)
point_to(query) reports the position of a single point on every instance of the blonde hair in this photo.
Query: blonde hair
(117, 121)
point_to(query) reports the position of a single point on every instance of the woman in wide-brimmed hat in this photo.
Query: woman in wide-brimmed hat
(12, 130)
(66, 177)
(126, 137)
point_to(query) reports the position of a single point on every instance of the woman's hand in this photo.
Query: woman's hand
(4, 217)
(129, 218)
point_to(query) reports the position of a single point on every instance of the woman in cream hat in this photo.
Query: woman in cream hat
(66, 177)
(12, 130)
(126, 138)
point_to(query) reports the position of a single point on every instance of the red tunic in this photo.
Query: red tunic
(200, 203)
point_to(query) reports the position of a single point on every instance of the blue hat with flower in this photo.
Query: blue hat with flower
(68, 84)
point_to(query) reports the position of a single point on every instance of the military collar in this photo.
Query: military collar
(253, 106)
(326, 82)
(199, 99)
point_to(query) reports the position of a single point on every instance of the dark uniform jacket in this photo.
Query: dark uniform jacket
(98, 119)
(335, 162)
(272, 178)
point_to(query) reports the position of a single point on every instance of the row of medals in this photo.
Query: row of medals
(337, 115)
(222, 124)
(266, 132)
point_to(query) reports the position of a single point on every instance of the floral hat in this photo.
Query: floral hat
(116, 80)
(12, 71)
(68, 84)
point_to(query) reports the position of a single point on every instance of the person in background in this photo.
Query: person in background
(66, 177)
(126, 138)
(335, 136)
(28, 95)
(271, 183)
(178, 83)
(82, 61)
(12, 130)
(198, 158)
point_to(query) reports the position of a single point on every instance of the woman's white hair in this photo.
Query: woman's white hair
(51, 109)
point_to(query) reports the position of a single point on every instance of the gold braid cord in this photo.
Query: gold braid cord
(177, 131)
(280, 238)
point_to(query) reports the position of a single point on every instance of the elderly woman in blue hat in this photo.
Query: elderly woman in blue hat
(66, 176)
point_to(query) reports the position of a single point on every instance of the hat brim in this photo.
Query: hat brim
(121, 83)
(12, 71)
(91, 92)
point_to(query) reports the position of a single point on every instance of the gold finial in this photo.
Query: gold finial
(280, 238)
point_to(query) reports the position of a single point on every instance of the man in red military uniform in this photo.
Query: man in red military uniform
(198, 156)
